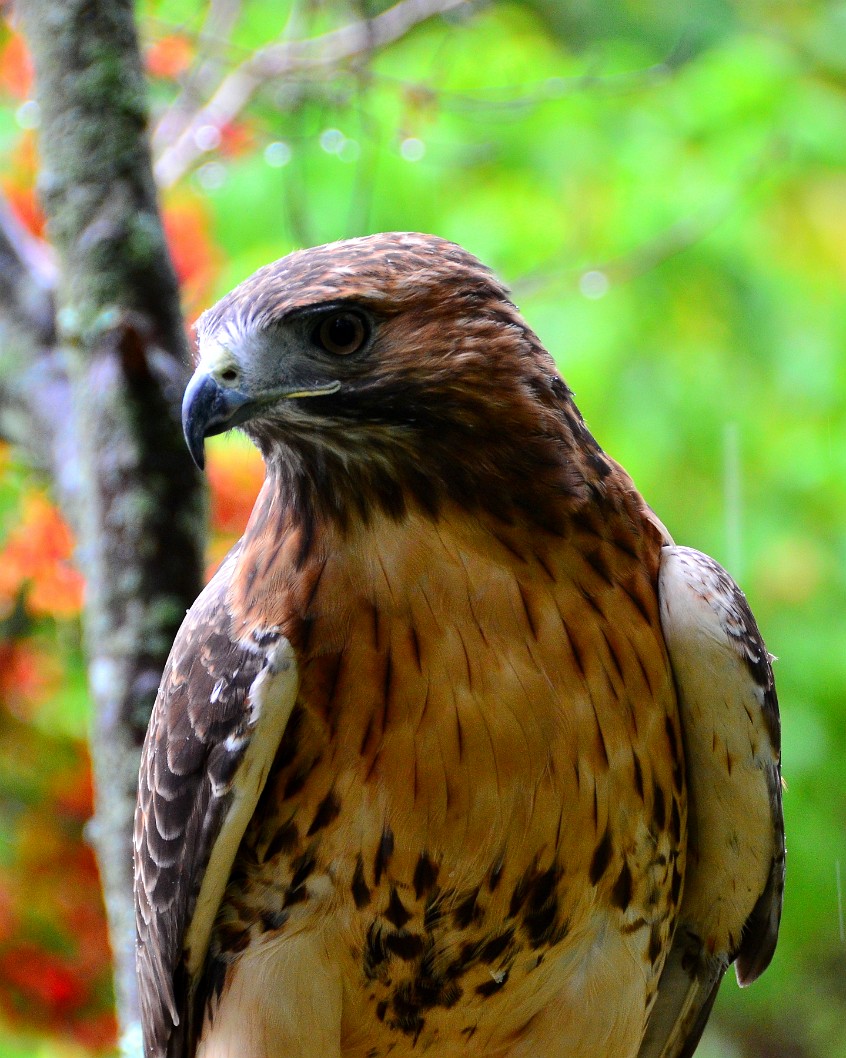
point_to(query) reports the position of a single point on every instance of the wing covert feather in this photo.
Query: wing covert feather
(220, 713)
(734, 882)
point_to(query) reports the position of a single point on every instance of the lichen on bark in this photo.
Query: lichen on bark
(120, 343)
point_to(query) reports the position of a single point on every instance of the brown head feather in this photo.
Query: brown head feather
(455, 399)
(393, 271)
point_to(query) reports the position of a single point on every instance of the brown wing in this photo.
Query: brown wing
(734, 881)
(213, 728)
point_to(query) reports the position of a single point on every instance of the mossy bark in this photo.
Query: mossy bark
(138, 506)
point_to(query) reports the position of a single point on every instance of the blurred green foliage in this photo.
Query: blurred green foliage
(664, 188)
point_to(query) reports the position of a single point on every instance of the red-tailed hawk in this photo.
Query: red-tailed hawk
(458, 753)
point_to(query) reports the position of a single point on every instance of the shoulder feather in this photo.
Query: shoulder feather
(734, 879)
(218, 719)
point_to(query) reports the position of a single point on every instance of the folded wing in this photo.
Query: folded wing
(217, 722)
(734, 881)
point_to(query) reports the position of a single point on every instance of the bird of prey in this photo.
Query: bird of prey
(458, 753)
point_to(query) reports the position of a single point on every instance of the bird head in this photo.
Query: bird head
(383, 366)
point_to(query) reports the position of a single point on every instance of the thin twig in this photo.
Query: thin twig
(34, 386)
(206, 71)
(32, 255)
(519, 98)
(287, 59)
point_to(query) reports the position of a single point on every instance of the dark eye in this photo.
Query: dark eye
(341, 333)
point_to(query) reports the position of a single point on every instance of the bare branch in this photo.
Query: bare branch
(508, 99)
(34, 389)
(289, 59)
(205, 73)
(27, 279)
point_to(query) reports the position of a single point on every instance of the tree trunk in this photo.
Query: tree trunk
(117, 365)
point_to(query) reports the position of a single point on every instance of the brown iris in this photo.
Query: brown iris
(341, 333)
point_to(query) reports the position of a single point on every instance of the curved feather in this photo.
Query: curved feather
(217, 722)
(734, 881)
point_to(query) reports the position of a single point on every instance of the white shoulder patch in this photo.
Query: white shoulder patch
(271, 698)
(731, 733)
(734, 878)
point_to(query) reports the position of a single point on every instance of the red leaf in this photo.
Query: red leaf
(235, 475)
(37, 554)
(27, 676)
(40, 979)
(169, 57)
(236, 138)
(16, 70)
(195, 257)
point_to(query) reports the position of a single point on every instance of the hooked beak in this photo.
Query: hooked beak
(210, 407)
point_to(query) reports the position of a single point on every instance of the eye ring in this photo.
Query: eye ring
(341, 333)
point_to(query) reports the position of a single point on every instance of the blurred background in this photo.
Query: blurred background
(663, 186)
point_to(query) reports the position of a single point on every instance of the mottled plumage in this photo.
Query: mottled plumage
(457, 752)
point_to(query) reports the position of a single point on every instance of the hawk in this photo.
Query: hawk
(458, 753)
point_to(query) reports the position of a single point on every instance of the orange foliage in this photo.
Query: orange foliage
(16, 71)
(36, 559)
(98, 1032)
(48, 984)
(195, 257)
(24, 203)
(55, 961)
(7, 913)
(236, 138)
(24, 156)
(59, 992)
(27, 676)
(19, 183)
(73, 790)
(235, 474)
(169, 57)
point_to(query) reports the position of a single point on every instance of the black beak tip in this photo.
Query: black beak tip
(194, 431)
(209, 408)
(198, 413)
(198, 451)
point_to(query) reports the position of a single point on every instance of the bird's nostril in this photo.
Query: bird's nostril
(229, 375)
